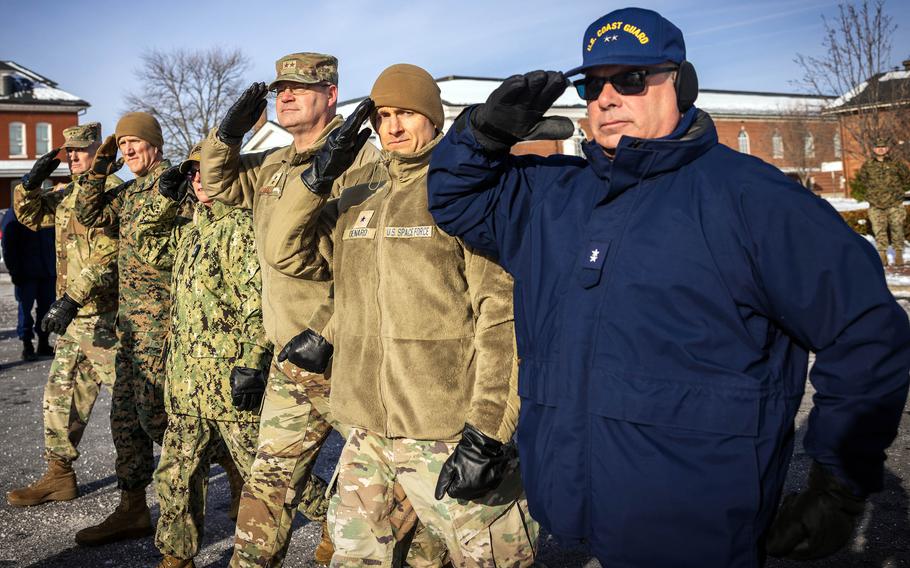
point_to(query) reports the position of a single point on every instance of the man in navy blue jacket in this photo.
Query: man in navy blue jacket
(667, 293)
(30, 258)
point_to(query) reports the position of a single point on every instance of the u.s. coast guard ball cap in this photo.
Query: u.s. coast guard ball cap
(630, 36)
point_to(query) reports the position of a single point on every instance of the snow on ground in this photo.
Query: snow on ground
(846, 203)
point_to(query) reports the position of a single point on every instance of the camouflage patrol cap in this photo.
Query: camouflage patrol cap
(82, 135)
(882, 142)
(195, 155)
(309, 68)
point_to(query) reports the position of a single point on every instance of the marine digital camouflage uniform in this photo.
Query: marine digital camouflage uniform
(216, 320)
(145, 220)
(87, 273)
(885, 182)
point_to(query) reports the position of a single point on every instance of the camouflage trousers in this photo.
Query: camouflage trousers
(83, 362)
(888, 223)
(138, 417)
(293, 424)
(181, 479)
(494, 531)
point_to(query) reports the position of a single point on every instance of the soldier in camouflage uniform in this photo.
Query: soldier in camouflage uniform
(145, 220)
(424, 368)
(295, 417)
(216, 326)
(885, 181)
(83, 315)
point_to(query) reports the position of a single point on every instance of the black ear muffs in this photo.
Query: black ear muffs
(686, 86)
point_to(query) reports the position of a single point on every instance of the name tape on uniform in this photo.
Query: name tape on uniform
(423, 232)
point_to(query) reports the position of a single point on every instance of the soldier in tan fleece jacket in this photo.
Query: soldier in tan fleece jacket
(423, 336)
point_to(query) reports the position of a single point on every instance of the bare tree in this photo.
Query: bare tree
(857, 52)
(188, 91)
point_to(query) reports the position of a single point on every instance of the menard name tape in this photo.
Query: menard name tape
(359, 233)
(409, 232)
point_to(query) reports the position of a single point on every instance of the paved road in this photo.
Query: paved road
(43, 536)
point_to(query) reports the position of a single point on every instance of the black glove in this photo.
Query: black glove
(247, 388)
(43, 168)
(339, 152)
(309, 351)
(243, 114)
(59, 315)
(172, 184)
(476, 467)
(105, 162)
(514, 112)
(817, 522)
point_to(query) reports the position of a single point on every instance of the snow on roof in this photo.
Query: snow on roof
(745, 102)
(464, 91)
(895, 75)
(42, 93)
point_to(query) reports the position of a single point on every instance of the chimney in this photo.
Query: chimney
(7, 85)
(906, 64)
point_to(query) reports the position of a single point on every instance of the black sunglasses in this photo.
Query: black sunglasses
(626, 82)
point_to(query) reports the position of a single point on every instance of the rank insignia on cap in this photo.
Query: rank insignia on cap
(289, 66)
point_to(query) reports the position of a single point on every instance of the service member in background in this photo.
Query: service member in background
(295, 410)
(83, 316)
(886, 180)
(216, 342)
(145, 220)
(669, 291)
(424, 357)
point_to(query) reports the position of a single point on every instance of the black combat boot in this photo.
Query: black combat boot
(28, 351)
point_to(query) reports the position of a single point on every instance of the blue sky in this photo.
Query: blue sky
(92, 48)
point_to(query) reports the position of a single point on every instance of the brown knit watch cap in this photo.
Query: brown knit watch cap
(141, 125)
(409, 87)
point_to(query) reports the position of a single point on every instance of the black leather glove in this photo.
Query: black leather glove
(817, 522)
(172, 183)
(59, 315)
(309, 351)
(247, 388)
(339, 152)
(43, 168)
(514, 111)
(476, 467)
(243, 114)
(105, 162)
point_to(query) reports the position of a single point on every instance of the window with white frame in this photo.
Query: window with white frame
(809, 142)
(16, 140)
(42, 138)
(743, 139)
(777, 145)
(838, 153)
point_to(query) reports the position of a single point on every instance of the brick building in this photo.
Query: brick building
(33, 114)
(879, 106)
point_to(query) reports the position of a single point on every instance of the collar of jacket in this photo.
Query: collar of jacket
(149, 179)
(297, 158)
(205, 215)
(641, 158)
(406, 166)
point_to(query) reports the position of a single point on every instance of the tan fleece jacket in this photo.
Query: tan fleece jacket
(422, 325)
(264, 181)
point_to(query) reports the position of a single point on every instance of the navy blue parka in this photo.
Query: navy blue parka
(666, 301)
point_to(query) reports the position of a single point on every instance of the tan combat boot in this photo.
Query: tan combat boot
(325, 550)
(131, 519)
(174, 562)
(58, 484)
(898, 257)
(884, 256)
(235, 480)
